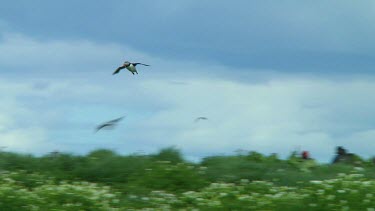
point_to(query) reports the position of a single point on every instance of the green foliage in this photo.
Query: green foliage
(48, 195)
(345, 192)
(170, 154)
(104, 180)
(101, 154)
(252, 167)
(13, 161)
(164, 175)
(256, 156)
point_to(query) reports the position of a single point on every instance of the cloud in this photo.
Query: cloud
(361, 142)
(19, 127)
(69, 89)
(288, 36)
(20, 54)
(29, 140)
(278, 116)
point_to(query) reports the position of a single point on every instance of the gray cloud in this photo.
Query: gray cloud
(267, 117)
(289, 36)
(254, 110)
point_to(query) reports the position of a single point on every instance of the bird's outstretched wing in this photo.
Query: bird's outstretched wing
(135, 64)
(201, 118)
(118, 70)
(102, 126)
(115, 120)
(109, 124)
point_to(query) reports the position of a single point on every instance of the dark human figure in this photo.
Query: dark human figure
(342, 156)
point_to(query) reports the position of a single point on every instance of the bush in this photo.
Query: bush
(170, 154)
(49, 195)
(344, 192)
(164, 175)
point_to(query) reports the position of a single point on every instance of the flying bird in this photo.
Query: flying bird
(109, 124)
(130, 66)
(201, 118)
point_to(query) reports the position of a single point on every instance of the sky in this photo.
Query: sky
(270, 76)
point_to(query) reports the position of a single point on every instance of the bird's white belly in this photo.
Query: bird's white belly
(131, 68)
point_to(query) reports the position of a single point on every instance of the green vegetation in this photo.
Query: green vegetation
(104, 180)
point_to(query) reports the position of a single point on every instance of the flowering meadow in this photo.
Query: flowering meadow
(104, 180)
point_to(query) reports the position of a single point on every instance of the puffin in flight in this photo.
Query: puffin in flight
(130, 66)
(109, 124)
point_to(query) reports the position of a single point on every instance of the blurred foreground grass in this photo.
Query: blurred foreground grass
(104, 180)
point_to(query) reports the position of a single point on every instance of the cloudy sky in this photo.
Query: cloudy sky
(271, 76)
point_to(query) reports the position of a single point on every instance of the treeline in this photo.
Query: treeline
(167, 170)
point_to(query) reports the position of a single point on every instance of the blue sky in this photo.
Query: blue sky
(271, 76)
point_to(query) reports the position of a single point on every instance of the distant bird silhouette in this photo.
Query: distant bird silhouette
(130, 66)
(201, 118)
(109, 124)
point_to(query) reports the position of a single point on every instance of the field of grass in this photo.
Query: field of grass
(104, 180)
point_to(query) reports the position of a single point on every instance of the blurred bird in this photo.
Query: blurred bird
(130, 66)
(201, 118)
(110, 124)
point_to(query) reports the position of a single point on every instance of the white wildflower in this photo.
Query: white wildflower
(199, 199)
(203, 168)
(345, 208)
(353, 191)
(366, 201)
(320, 191)
(244, 181)
(341, 174)
(243, 197)
(343, 201)
(223, 194)
(359, 169)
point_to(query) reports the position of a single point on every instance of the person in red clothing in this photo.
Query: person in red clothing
(305, 155)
